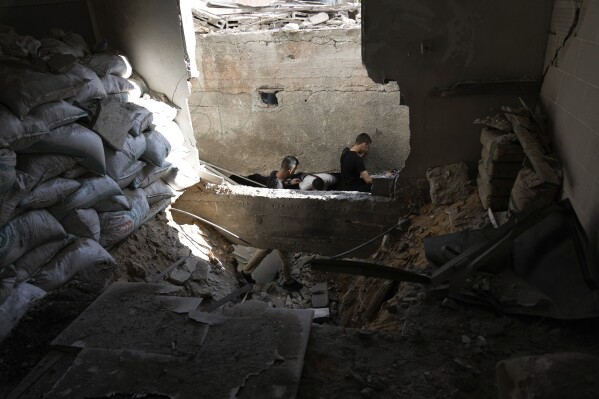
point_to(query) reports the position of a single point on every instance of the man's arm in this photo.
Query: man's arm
(366, 177)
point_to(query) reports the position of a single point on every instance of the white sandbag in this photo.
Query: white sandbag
(8, 162)
(58, 113)
(150, 174)
(130, 174)
(118, 161)
(51, 46)
(43, 167)
(22, 90)
(78, 255)
(49, 193)
(140, 117)
(114, 84)
(140, 86)
(161, 110)
(15, 307)
(158, 191)
(76, 41)
(114, 204)
(181, 175)
(8, 281)
(105, 64)
(17, 133)
(76, 172)
(111, 120)
(92, 191)
(76, 141)
(18, 46)
(172, 132)
(157, 148)
(121, 97)
(82, 223)
(10, 200)
(30, 263)
(116, 226)
(92, 88)
(26, 232)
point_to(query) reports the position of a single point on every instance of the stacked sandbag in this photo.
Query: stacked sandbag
(83, 146)
(501, 160)
(530, 189)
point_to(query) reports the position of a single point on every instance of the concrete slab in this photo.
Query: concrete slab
(135, 316)
(326, 223)
(133, 342)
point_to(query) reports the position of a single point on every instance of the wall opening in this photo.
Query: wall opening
(269, 98)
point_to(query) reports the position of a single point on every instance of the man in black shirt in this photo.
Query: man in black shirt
(354, 176)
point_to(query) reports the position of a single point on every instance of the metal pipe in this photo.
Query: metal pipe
(232, 173)
(211, 224)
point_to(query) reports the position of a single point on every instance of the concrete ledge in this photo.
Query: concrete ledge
(326, 222)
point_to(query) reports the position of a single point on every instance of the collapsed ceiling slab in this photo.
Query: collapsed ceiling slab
(318, 222)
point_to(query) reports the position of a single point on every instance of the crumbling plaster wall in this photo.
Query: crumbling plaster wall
(426, 45)
(325, 100)
(570, 96)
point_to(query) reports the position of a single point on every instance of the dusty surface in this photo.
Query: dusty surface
(412, 345)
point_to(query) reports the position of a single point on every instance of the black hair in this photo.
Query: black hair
(318, 184)
(363, 138)
(289, 162)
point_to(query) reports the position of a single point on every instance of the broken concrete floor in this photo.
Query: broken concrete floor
(413, 345)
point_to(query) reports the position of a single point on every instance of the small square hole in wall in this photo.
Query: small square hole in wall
(268, 97)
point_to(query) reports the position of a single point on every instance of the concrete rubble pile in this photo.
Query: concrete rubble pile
(85, 158)
(213, 16)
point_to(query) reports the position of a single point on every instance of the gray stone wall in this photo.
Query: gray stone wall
(570, 95)
(324, 96)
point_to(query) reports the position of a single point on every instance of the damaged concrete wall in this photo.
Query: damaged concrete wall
(37, 17)
(570, 96)
(150, 33)
(324, 95)
(326, 223)
(428, 45)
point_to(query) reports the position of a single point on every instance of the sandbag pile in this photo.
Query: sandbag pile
(83, 147)
(506, 172)
(501, 160)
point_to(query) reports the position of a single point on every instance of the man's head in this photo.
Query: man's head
(363, 142)
(318, 184)
(289, 165)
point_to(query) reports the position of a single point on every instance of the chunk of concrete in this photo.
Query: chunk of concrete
(321, 315)
(208, 176)
(291, 26)
(202, 268)
(448, 183)
(319, 288)
(320, 296)
(383, 185)
(550, 376)
(319, 18)
(183, 272)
